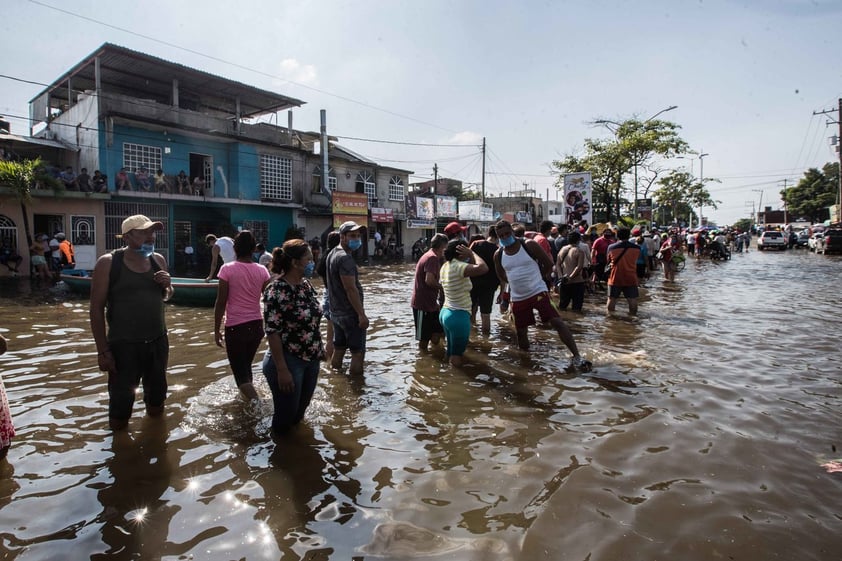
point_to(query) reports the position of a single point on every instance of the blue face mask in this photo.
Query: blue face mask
(507, 241)
(354, 245)
(146, 249)
(309, 269)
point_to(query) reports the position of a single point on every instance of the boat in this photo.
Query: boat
(187, 292)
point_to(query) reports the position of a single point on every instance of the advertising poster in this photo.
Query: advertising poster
(644, 209)
(577, 198)
(446, 206)
(424, 208)
(349, 206)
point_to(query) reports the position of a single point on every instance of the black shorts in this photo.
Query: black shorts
(627, 291)
(482, 297)
(426, 324)
(137, 362)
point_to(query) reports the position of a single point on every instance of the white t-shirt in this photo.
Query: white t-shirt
(226, 249)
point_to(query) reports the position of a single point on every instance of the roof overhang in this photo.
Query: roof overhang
(125, 70)
(14, 140)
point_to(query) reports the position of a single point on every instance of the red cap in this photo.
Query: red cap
(454, 228)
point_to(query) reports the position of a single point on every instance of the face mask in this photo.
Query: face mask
(309, 268)
(146, 249)
(507, 241)
(355, 244)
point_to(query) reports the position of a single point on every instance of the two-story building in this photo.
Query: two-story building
(126, 113)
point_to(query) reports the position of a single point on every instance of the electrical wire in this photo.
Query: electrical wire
(241, 66)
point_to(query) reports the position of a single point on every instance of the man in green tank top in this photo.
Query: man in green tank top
(128, 292)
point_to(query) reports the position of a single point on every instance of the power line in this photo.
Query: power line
(241, 66)
(408, 143)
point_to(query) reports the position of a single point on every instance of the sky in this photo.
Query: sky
(529, 76)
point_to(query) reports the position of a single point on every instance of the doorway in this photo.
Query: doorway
(201, 165)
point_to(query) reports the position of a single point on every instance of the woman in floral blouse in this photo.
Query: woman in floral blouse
(7, 430)
(291, 316)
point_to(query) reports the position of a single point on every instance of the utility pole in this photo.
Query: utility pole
(701, 181)
(482, 198)
(837, 122)
(759, 205)
(435, 196)
(785, 204)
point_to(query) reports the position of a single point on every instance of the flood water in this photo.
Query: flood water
(699, 435)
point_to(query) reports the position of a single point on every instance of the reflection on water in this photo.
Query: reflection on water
(698, 435)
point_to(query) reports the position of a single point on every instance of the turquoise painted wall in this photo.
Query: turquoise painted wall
(239, 162)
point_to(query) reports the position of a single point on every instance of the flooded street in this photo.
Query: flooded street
(699, 435)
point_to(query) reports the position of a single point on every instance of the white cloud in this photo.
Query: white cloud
(294, 71)
(465, 137)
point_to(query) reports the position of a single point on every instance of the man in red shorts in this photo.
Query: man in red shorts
(622, 256)
(524, 267)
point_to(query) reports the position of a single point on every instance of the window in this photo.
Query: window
(317, 179)
(136, 156)
(8, 232)
(365, 184)
(83, 230)
(116, 212)
(275, 177)
(260, 230)
(396, 190)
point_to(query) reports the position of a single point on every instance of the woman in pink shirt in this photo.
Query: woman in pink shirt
(241, 284)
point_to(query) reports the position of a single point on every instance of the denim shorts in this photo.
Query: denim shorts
(347, 334)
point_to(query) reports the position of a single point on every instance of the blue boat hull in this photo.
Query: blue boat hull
(188, 292)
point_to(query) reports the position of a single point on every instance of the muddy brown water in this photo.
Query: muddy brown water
(699, 435)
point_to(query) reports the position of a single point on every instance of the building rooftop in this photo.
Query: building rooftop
(131, 72)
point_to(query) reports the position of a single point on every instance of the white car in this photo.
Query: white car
(771, 239)
(816, 242)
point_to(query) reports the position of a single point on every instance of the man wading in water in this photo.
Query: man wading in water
(524, 266)
(132, 284)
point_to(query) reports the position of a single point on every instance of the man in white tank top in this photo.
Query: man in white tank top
(224, 247)
(524, 268)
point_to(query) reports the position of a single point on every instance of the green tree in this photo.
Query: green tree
(679, 193)
(635, 144)
(815, 192)
(743, 224)
(21, 177)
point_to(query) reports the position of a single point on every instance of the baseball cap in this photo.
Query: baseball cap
(454, 228)
(349, 226)
(139, 222)
(60, 236)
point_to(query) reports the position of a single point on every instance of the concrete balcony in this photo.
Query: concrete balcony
(218, 124)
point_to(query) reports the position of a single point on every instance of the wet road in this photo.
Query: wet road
(699, 435)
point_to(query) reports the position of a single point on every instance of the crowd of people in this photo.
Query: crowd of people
(261, 295)
(49, 256)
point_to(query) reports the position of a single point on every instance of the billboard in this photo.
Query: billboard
(446, 206)
(476, 211)
(644, 209)
(419, 207)
(577, 198)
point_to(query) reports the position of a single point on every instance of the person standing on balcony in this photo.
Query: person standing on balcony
(142, 177)
(198, 185)
(182, 182)
(223, 246)
(161, 182)
(122, 180)
(83, 180)
(100, 182)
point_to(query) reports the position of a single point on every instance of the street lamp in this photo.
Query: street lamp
(701, 182)
(670, 108)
